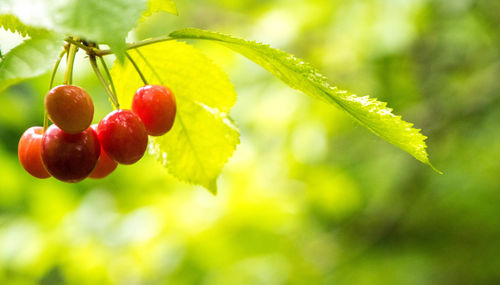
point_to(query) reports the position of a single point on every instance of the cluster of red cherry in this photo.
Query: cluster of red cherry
(71, 150)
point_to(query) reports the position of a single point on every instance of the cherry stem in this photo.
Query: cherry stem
(68, 77)
(150, 66)
(108, 74)
(98, 73)
(137, 68)
(51, 84)
(139, 44)
(56, 66)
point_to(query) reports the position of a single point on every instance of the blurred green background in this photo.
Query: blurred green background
(310, 196)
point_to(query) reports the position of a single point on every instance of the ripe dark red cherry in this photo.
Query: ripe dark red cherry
(155, 105)
(105, 165)
(70, 108)
(123, 136)
(29, 152)
(70, 157)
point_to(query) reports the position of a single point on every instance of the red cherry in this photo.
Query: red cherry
(70, 108)
(105, 165)
(155, 105)
(70, 157)
(29, 152)
(123, 136)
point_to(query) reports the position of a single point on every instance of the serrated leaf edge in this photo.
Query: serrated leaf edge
(26, 31)
(314, 76)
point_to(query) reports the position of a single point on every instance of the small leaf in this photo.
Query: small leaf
(371, 113)
(13, 24)
(102, 21)
(160, 5)
(31, 58)
(203, 136)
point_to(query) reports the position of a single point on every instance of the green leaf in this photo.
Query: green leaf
(31, 58)
(13, 24)
(371, 113)
(102, 21)
(203, 136)
(160, 5)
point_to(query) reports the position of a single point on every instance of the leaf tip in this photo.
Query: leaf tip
(435, 169)
(427, 162)
(212, 187)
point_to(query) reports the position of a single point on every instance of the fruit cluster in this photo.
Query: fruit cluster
(71, 149)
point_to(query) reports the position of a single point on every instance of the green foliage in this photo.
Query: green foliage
(107, 22)
(101, 21)
(13, 24)
(203, 137)
(203, 92)
(31, 58)
(309, 197)
(300, 75)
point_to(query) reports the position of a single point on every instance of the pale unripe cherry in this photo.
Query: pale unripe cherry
(70, 108)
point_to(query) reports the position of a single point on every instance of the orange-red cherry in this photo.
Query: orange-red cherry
(123, 136)
(70, 157)
(155, 105)
(70, 108)
(105, 165)
(30, 152)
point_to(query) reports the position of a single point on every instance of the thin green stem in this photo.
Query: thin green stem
(56, 66)
(108, 74)
(137, 68)
(51, 84)
(149, 66)
(98, 73)
(68, 76)
(137, 44)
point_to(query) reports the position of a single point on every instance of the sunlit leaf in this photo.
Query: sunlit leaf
(31, 58)
(203, 137)
(371, 113)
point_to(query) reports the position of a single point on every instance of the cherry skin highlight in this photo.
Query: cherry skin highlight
(29, 152)
(105, 165)
(155, 105)
(123, 136)
(70, 157)
(70, 108)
